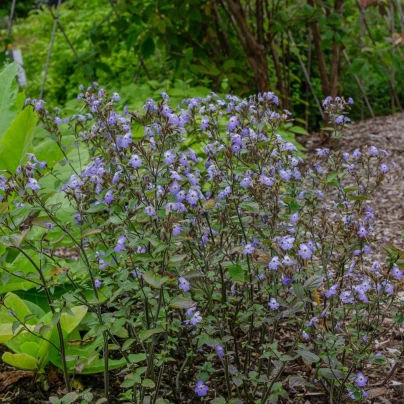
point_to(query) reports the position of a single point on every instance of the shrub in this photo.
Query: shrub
(211, 258)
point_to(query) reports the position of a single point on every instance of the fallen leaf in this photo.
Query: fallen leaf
(9, 378)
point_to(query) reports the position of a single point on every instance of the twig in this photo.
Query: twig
(50, 49)
(359, 83)
(306, 76)
(10, 20)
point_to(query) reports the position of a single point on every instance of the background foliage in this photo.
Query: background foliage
(187, 47)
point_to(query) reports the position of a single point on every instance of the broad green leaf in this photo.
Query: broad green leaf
(237, 274)
(16, 142)
(17, 305)
(20, 361)
(313, 283)
(148, 383)
(331, 374)
(8, 94)
(143, 335)
(136, 358)
(154, 280)
(29, 348)
(68, 322)
(48, 150)
(308, 356)
(181, 303)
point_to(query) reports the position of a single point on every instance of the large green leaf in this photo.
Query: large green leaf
(17, 140)
(20, 361)
(8, 94)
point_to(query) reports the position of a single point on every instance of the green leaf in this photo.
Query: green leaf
(331, 374)
(8, 94)
(298, 130)
(308, 356)
(313, 283)
(136, 358)
(181, 303)
(89, 232)
(237, 274)
(20, 361)
(148, 383)
(70, 397)
(68, 322)
(154, 280)
(17, 140)
(249, 206)
(143, 335)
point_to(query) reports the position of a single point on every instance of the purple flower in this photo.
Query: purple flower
(120, 245)
(192, 197)
(149, 210)
(204, 123)
(305, 335)
(169, 157)
(332, 291)
(396, 272)
(183, 284)
(286, 243)
(176, 230)
(373, 151)
(273, 304)
(245, 182)
(97, 283)
(361, 380)
(233, 123)
(248, 249)
(201, 389)
(304, 251)
(346, 297)
(384, 168)
(287, 261)
(274, 263)
(350, 101)
(135, 161)
(33, 184)
(50, 226)
(108, 198)
(196, 318)
(286, 281)
(362, 232)
(219, 351)
(294, 218)
(116, 97)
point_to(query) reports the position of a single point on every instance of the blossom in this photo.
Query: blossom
(273, 304)
(248, 249)
(204, 123)
(245, 182)
(373, 151)
(120, 245)
(176, 230)
(332, 291)
(396, 272)
(219, 351)
(361, 380)
(135, 161)
(97, 283)
(183, 284)
(362, 232)
(274, 263)
(304, 251)
(286, 243)
(33, 184)
(108, 198)
(305, 335)
(294, 218)
(201, 389)
(384, 168)
(149, 210)
(233, 123)
(196, 318)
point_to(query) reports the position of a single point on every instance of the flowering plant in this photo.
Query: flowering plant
(211, 256)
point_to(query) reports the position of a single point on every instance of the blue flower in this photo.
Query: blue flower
(135, 161)
(33, 184)
(201, 389)
(273, 304)
(149, 210)
(97, 283)
(120, 245)
(219, 351)
(361, 380)
(108, 198)
(304, 251)
(183, 284)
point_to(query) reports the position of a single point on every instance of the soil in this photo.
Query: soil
(386, 133)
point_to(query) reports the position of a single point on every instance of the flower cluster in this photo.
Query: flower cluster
(201, 227)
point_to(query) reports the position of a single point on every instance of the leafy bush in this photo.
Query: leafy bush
(210, 257)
